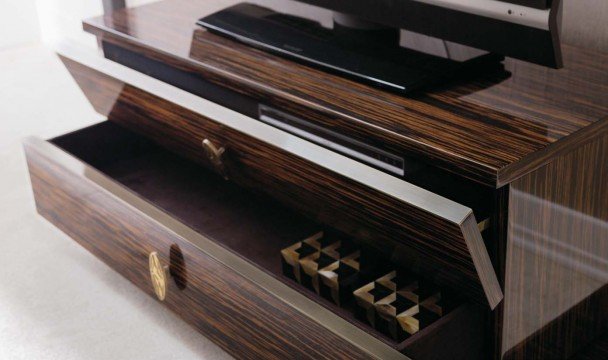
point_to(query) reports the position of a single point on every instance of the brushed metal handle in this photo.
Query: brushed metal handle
(215, 154)
(159, 275)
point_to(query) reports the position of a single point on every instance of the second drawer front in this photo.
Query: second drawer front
(444, 233)
(243, 318)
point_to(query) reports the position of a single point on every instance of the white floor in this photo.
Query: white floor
(56, 300)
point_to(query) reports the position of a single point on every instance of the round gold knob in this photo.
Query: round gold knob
(159, 275)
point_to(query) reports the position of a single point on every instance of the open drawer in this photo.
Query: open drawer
(128, 200)
(369, 205)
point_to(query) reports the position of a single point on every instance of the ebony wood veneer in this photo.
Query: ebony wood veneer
(492, 129)
(136, 198)
(234, 312)
(531, 140)
(596, 350)
(556, 292)
(453, 252)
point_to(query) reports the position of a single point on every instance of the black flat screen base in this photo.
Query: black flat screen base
(364, 58)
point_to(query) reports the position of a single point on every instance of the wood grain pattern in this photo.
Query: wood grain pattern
(464, 339)
(111, 203)
(496, 129)
(569, 334)
(209, 205)
(556, 263)
(243, 319)
(595, 351)
(489, 129)
(417, 172)
(497, 250)
(455, 251)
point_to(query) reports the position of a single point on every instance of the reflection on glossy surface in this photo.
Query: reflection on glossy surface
(446, 222)
(547, 96)
(485, 129)
(159, 228)
(556, 298)
(555, 287)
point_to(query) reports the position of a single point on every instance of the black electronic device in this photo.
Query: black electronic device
(364, 41)
(373, 55)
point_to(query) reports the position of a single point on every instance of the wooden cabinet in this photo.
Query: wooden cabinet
(221, 245)
(497, 191)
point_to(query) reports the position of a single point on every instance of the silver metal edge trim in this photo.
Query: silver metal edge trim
(341, 327)
(499, 10)
(354, 170)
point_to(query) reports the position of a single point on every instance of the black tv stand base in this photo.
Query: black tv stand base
(372, 56)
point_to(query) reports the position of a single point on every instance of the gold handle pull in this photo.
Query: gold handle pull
(159, 275)
(215, 156)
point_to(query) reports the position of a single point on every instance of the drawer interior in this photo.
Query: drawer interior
(251, 225)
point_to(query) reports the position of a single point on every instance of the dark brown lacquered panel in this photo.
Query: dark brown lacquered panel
(244, 319)
(556, 281)
(595, 351)
(492, 129)
(254, 227)
(452, 251)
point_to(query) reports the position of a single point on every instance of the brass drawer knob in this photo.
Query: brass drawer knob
(214, 154)
(159, 275)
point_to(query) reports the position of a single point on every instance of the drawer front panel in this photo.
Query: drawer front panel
(240, 316)
(334, 190)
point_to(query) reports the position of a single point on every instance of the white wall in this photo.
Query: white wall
(18, 23)
(138, 2)
(62, 19)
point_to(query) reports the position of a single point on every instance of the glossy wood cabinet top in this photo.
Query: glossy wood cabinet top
(491, 129)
